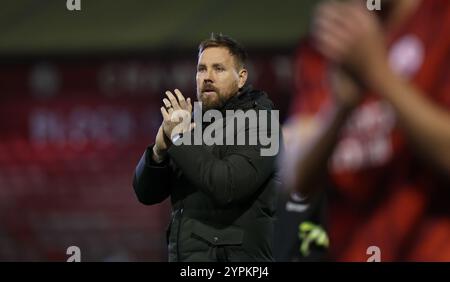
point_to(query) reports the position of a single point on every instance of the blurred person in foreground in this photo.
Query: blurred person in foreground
(371, 128)
(223, 196)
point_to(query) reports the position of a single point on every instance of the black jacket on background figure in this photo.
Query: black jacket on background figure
(223, 196)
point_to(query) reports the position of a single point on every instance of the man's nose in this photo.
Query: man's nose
(209, 76)
(207, 80)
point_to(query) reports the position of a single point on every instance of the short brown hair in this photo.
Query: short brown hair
(220, 40)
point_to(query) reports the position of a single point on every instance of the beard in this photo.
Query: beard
(212, 98)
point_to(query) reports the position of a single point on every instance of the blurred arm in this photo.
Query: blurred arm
(311, 146)
(312, 138)
(427, 124)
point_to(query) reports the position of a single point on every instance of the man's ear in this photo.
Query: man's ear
(242, 77)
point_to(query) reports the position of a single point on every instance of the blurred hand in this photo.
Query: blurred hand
(350, 35)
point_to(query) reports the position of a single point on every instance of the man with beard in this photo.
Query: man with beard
(372, 128)
(223, 196)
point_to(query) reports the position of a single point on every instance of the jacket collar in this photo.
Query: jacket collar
(244, 99)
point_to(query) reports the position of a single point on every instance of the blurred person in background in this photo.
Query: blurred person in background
(371, 127)
(223, 196)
